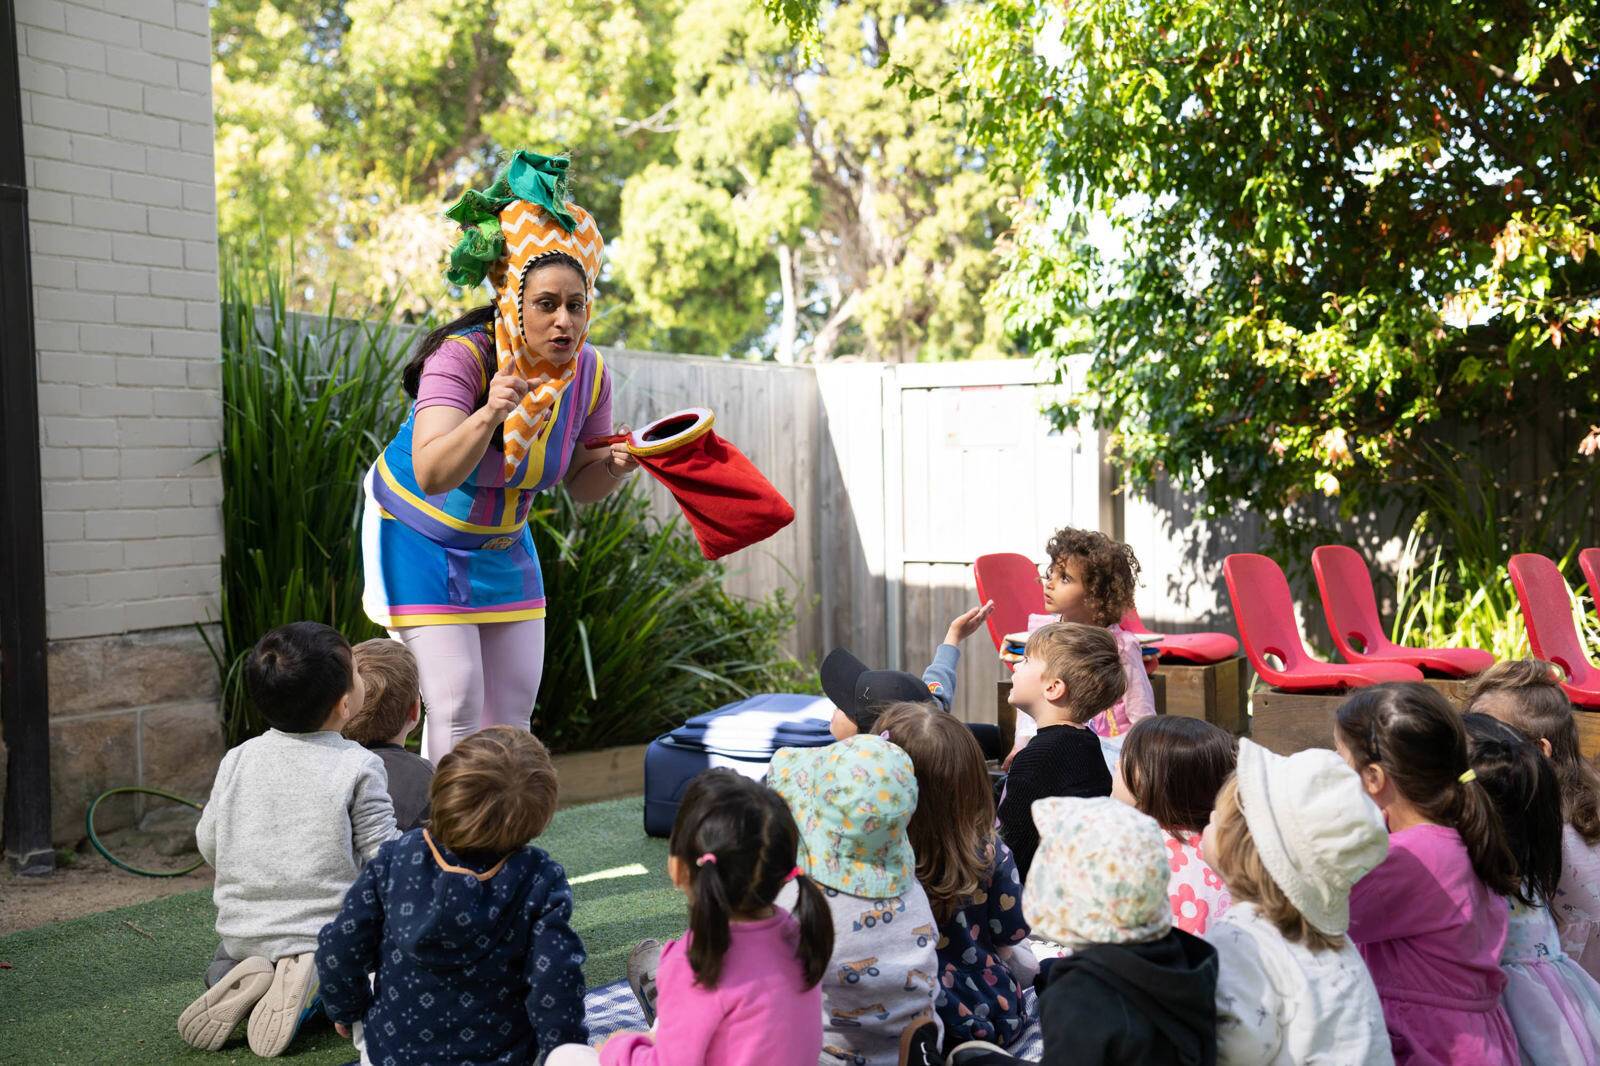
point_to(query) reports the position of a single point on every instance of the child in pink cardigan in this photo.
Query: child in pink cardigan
(1431, 919)
(744, 984)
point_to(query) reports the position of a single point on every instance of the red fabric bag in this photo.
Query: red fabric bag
(729, 503)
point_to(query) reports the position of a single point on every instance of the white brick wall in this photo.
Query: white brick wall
(116, 107)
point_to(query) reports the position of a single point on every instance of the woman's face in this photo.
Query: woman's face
(555, 312)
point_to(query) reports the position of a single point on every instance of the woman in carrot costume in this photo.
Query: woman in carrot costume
(502, 397)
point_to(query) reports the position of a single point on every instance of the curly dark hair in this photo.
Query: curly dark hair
(1110, 570)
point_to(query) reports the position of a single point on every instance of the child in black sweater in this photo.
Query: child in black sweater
(1068, 674)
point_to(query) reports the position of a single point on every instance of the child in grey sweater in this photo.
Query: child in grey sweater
(293, 815)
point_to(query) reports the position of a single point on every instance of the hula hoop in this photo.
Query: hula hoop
(94, 838)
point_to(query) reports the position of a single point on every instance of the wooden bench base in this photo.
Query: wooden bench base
(1287, 722)
(1219, 693)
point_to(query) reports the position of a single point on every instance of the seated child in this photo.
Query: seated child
(293, 815)
(860, 694)
(1526, 695)
(1068, 674)
(853, 801)
(743, 985)
(1430, 920)
(394, 703)
(969, 876)
(464, 925)
(1553, 1004)
(1290, 836)
(1133, 989)
(1171, 769)
(1090, 580)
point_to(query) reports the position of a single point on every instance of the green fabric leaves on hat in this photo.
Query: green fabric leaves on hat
(538, 179)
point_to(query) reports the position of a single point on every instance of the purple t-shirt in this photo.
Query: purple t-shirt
(453, 376)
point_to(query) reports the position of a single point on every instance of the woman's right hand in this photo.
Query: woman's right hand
(505, 393)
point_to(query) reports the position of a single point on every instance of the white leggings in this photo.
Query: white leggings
(474, 676)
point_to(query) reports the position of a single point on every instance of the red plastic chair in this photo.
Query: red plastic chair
(1352, 613)
(1547, 609)
(1200, 649)
(1589, 563)
(1264, 612)
(1012, 582)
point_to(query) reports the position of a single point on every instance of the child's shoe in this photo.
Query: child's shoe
(287, 1003)
(919, 1044)
(209, 1021)
(643, 962)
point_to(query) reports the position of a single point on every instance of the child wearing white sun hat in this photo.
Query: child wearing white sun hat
(1290, 836)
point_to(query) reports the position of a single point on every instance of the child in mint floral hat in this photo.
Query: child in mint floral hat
(853, 801)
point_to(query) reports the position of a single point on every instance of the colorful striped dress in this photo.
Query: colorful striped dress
(466, 556)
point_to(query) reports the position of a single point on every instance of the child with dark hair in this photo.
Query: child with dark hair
(464, 926)
(1554, 1005)
(393, 705)
(1526, 695)
(1172, 768)
(743, 985)
(1069, 673)
(1429, 920)
(293, 815)
(969, 876)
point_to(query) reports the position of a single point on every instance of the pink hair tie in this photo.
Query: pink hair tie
(707, 857)
(792, 874)
(883, 735)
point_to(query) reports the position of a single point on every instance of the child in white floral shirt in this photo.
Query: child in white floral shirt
(1171, 769)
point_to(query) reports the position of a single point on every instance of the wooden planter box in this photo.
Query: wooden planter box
(1219, 692)
(1287, 722)
(591, 776)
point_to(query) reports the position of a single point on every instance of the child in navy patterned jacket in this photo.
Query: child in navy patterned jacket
(464, 926)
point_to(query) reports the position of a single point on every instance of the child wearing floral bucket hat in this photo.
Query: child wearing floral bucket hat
(852, 801)
(1290, 836)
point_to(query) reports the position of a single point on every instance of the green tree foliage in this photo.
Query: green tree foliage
(1336, 227)
(757, 196)
(1330, 234)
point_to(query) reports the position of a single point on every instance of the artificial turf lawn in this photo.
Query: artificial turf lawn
(109, 988)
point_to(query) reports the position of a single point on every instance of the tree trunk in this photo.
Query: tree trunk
(789, 325)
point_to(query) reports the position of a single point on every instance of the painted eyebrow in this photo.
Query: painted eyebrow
(557, 295)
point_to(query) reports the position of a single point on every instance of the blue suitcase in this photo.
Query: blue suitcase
(740, 736)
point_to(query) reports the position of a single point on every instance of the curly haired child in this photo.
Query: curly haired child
(1091, 579)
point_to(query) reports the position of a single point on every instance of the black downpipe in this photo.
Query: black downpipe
(24, 691)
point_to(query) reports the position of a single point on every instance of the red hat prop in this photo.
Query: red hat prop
(729, 503)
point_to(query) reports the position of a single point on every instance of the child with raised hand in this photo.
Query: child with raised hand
(1554, 1005)
(743, 984)
(386, 718)
(969, 876)
(293, 815)
(1090, 580)
(1290, 835)
(1429, 919)
(464, 926)
(1526, 695)
(1069, 673)
(1172, 768)
(853, 801)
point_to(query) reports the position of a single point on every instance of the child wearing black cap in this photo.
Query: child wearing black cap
(860, 694)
